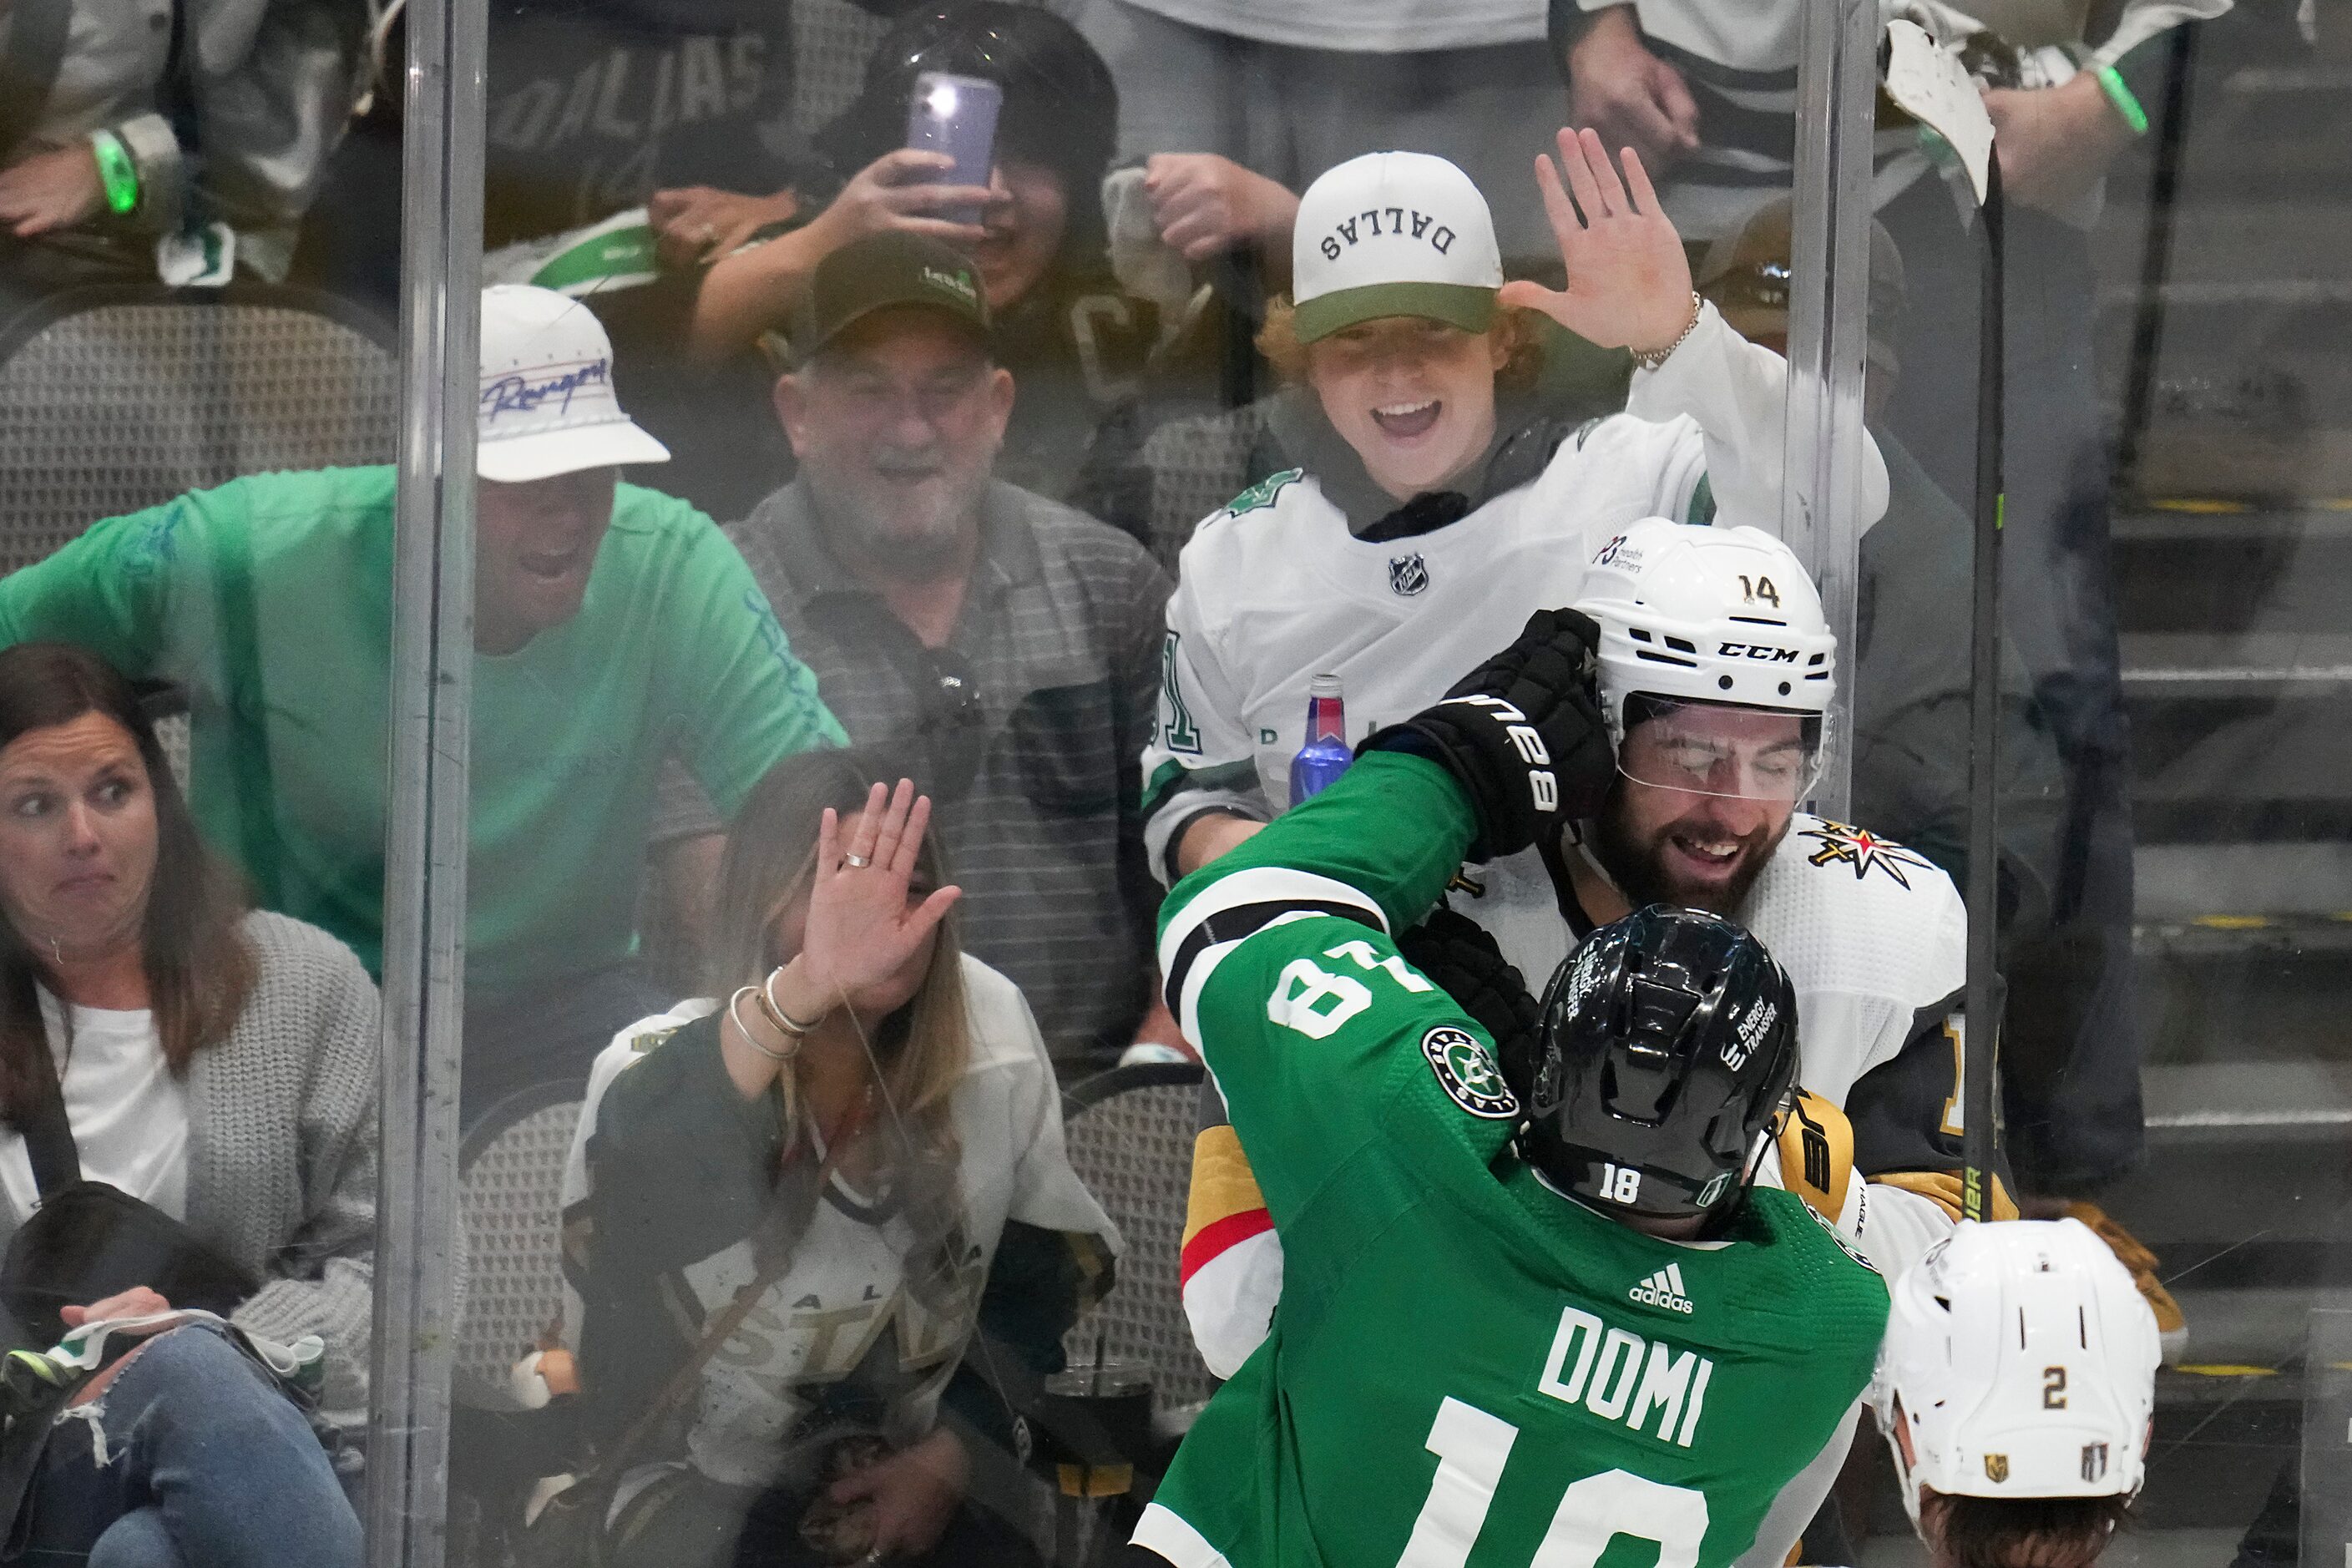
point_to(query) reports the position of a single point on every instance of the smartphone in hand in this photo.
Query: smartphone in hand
(956, 115)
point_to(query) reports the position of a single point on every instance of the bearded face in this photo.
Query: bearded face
(1703, 797)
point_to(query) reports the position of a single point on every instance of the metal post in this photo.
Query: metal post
(425, 852)
(1829, 334)
(1982, 1063)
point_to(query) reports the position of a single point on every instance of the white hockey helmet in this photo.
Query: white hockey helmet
(2020, 1361)
(1720, 615)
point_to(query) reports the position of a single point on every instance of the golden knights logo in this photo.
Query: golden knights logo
(1408, 574)
(1996, 1468)
(1863, 850)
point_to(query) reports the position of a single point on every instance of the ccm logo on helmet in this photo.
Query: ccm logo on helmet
(1757, 650)
(1541, 784)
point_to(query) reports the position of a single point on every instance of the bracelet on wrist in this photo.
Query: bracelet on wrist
(2120, 94)
(784, 1022)
(735, 1015)
(117, 172)
(1656, 357)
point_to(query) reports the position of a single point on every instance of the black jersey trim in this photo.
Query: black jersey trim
(1247, 920)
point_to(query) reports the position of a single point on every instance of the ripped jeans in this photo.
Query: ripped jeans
(192, 1458)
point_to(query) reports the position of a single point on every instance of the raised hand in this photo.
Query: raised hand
(1629, 283)
(1205, 204)
(861, 927)
(1631, 97)
(896, 191)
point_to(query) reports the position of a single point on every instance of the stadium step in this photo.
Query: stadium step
(2233, 565)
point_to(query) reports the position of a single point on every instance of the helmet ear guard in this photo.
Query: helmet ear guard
(1667, 1045)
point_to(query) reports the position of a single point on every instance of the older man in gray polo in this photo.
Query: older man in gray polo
(1008, 645)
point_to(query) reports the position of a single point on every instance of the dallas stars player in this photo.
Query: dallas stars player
(1522, 1334)
(1715, 672)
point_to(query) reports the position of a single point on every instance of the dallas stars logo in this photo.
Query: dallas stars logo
(1467, 1074)
(1263, 493)
(1857, 847)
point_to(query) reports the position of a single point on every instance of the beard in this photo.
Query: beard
(1646, 876)
(911, 536)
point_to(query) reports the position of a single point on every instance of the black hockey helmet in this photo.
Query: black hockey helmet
(1667, 1045)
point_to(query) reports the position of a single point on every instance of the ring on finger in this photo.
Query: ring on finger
(855, 861)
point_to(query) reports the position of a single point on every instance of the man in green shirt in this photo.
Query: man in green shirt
(612, 626)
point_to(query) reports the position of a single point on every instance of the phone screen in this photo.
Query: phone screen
(956, 115)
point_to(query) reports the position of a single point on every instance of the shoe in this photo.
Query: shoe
(2171, 1327)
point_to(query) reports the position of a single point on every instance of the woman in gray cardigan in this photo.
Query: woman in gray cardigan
(217, 1064)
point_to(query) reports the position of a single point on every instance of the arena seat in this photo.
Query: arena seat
(117, 397)
(1130, 1141)
(509, 1186)
(1197, 464)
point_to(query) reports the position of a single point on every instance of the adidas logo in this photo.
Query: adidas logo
(1664, 1289)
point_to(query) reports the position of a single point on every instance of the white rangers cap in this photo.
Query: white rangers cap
(1393, 234)
(548, 406)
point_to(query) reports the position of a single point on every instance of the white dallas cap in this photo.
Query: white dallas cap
(1393, 234)
(548, 406)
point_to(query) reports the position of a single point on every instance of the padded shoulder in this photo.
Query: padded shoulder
(1817, 1153)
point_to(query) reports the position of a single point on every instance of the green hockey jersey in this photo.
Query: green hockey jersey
(1466, 1368)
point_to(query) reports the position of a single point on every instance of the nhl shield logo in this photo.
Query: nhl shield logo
(2095, 1462)
(1996, 1466)
(1408, 574)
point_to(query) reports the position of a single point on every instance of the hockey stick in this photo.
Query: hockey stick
(1931, 86)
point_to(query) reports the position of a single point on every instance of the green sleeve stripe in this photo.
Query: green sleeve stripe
(1172, 776)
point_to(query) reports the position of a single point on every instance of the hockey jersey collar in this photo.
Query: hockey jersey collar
(1299, 435)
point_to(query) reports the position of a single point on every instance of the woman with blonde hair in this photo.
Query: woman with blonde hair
(833, 1191)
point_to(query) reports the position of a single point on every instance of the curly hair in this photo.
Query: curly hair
(2022, 1532)
(1520, 331)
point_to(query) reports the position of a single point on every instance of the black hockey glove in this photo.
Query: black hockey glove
(1523, 735)
(1460, 959)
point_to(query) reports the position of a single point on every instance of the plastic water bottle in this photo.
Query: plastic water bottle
(1327, 752)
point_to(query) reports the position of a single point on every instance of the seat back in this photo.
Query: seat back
(831, 41)
(115, 398)
(1130, 1141)
(510, 1207)
(1197, 464)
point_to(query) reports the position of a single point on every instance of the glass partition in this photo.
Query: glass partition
(548, 472)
